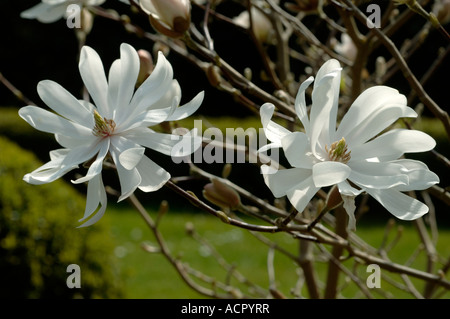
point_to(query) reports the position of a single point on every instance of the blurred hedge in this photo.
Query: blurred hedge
(39, 238)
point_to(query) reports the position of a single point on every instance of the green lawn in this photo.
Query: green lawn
(149, 275)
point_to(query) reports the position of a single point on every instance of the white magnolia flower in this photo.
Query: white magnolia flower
(116, 127)
(49, 11)
(352, 156)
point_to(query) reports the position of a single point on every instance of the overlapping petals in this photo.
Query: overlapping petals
(354, 156)
(115, 126)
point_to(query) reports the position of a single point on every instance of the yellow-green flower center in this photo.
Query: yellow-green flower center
(338, 151)
(103, 127)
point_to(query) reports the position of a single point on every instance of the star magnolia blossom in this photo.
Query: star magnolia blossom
(49, 11)
(117, 127)
(352, 156)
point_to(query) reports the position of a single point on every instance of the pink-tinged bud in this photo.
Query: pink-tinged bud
(145, 66)
(169, 17)
(221, 194)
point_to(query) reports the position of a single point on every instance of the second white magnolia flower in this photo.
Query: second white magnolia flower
(352, 156)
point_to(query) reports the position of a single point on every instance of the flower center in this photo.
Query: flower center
(338, 151)
(103, 127)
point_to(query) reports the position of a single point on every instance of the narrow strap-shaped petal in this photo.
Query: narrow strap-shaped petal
(325, 97)
(94, 78)
(160, 142)
(419, 176)
(154, 87)
(96, 166)
(300, 104)
(129, 179)
(274, 132)
(377, 122)
(393, 144)
(368, 102)
(114, 77)
(129, 72)
(398, 204)
(187, 109)
(51, 170)
(96, 195)
(49, 122)
(64, 103)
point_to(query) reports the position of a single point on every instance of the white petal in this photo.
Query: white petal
(345, 189)
(295, 147)
(114, 77)
(129, 179)
(72, 142)
(154, 87)
(393, 144)
(131, 157)
(269, 146)
(96, 195)
(283, 180)
(149, 117)
(329, 173)
(187, 109)
(166, 99)
(48, 172)
(274, 132)
(129, 72)
(324, 104)
(81, 154)
(93, 75)
(301, 194)
(159, 142)
(377, 122)
(64, 103)
(46, 121)
(368, 102)
(45, 13)
(96, 167)
(420, 177)
(300, 104)
(153, 176)
(398, 204)
(378, 175)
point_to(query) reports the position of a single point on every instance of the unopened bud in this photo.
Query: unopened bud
(169, 17)
(213, 75)
(262, 26)
(145, 66)
(226, 170)
(221, 194)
